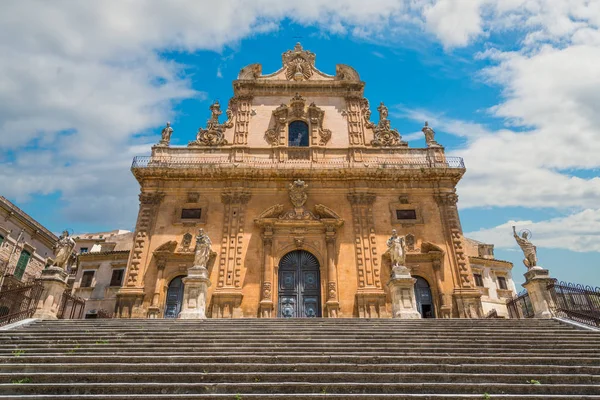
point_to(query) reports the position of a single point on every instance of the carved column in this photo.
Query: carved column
(130, 297)
(466, 296)
(445, 306)
(370, 294)
(227, 296)
(332, 305)
(241, 106)
(355, 118)
(154, 310)
(266, 302)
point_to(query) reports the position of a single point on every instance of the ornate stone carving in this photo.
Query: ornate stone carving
(323, 211)
(331, 290)
(299, 63)
(366, 112)
(297, 109)
(186, 241)
(345, 72)
(297, 192)
(241, 107)
(251, 71)
(299, 242)
(385, 135)
(166, 135)
(429, 136)
(529, 250)
(361, 198)
(213, 135)
(235, 197)
(298, 214)
(410, 242)
(266, 290)
(272, 212)
(63, 250)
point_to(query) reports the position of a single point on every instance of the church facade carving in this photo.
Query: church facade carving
(299, 191)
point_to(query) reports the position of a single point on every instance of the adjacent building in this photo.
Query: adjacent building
(100, 271)
(299, 188)
(26, 246)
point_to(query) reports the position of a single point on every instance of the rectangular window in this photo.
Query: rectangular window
(117, 277)
(478, 280)
(191, 213)
(22, 264)
(1, 240)
(87, 278)
(83, 250)
(406, 214)
(502, 283)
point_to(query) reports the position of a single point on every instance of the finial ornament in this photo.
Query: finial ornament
(429, 136)
(529, 250)
(385, 135)
(166, 133)
(213, 134)
(299, 63)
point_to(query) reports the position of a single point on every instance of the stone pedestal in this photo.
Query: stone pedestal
(402, 291)
(195, 293)
(536, 283)
(54, 280)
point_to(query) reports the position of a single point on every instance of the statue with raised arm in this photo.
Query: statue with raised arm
(397, 249)
(202, 250)
(63, 249)
(166, 135)
(429, 136)
(529, 250)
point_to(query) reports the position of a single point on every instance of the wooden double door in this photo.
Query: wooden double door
(299, 286)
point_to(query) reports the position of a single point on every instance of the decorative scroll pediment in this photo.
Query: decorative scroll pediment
(251, 71)
(213, 134)
(272, 212)
(298, 63)
(297, 110)
(325, 212)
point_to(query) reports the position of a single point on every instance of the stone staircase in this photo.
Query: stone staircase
(299, 359)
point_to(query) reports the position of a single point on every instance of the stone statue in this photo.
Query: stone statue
(529, 250)
(397, 249)
(429, 135)
(383, 112)
(202, 250)
(63, 249)
(166, 135)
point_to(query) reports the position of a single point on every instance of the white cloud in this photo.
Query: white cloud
(577, 232)
(455, 22)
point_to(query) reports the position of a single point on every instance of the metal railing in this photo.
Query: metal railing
(19, 302)
(576, 302)
(300, 159)
(71, 307)
(520, 306)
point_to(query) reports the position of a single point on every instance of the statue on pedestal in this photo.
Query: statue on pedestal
(202, 250)
(529, 250)
(429, 136)
(397, 249)
(166, 135)
(63, 249)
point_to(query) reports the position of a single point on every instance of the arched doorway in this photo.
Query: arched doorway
(174, 297)
(424, 298)
(299, 286)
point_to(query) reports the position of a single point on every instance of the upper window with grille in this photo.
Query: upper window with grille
(298, 134)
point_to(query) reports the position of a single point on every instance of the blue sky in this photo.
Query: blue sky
(512, 86)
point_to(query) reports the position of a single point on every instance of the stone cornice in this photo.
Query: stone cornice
(35, 226)
(490, 262)
(327, 88)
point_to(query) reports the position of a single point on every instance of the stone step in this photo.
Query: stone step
(307, 377)
(304, 396)
(295, 387)
(290, 358)
(530, 370)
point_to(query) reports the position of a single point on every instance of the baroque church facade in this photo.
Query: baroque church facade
(299, 188)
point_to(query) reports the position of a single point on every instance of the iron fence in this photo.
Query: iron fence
(576, 302)
(71, 307)
(520, 306)
(18, 302)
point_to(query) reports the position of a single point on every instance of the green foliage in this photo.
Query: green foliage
(102, 341)
(324, 390)
(238, 397)
(20, 381)
(533, 382)
(487, 396)
(18, 352)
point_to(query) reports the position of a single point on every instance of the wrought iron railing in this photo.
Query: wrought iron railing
(70, 307)
(576, 302)
(19, 302)
(520, 306)
(295, 160)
